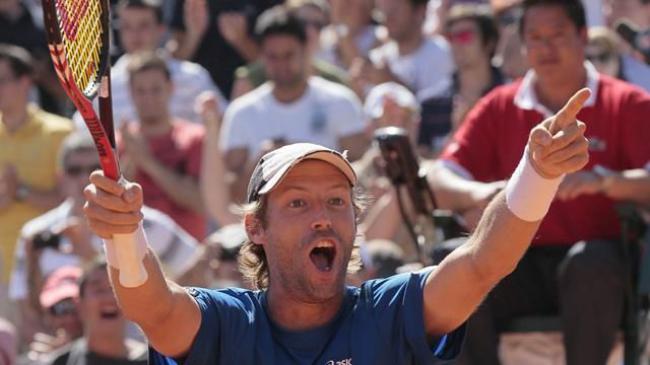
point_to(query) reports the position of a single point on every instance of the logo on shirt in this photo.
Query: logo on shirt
(340, 362)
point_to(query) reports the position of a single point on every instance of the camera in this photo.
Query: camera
(402, 167)
(46, 239)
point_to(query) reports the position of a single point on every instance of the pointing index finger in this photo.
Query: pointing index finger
(568, 113)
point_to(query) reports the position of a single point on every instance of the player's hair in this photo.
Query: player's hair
(252, 258)
(484, 19)
(20, 61)
(573, 8)
(154, 6)
(279, 20)
(146, 61)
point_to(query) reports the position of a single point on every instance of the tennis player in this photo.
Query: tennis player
(301, 223)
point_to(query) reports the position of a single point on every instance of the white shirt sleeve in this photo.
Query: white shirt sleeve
(234, 131)
(347, 114)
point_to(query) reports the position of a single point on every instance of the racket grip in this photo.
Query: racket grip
(130, 250)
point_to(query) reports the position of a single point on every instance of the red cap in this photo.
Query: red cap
(61, 284)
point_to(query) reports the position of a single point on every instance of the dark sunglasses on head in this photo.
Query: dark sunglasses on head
(62, 308)
(461, 37)
(76, 170)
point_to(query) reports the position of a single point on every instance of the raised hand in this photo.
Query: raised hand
(207, 106)
(195, 13)
(112, 207)
(233, 26)
(557, 146)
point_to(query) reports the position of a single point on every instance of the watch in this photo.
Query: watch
(22, 192)
(606, 176)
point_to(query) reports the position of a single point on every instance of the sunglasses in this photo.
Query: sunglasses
(76, 170)
(600, 57)
(462, 37)
(63, 308)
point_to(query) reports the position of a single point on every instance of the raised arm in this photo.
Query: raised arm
(168, 315)
(457, 286)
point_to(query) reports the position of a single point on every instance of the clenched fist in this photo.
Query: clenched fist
(558, 146)
(111, 207)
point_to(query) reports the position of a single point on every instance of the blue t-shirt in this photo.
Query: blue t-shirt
(379, 323)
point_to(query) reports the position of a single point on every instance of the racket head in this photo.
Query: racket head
(78, 39)
(78, 36)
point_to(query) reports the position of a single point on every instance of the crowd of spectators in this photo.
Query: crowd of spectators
(203, 88)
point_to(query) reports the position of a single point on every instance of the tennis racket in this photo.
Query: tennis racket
(78, 40)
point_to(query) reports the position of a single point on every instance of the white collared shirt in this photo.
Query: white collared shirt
(526, 98)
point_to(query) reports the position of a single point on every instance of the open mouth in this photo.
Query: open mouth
(322, 256)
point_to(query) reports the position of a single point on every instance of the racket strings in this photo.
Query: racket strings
(82, 39)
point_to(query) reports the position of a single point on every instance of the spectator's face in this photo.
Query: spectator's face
(605, 61)
(312, 206)
(467, 47)
(285, 60)
(633, 10)
(64, 315)
(396, 116)
(151, 92)
(78, 166)
(98, 306)
(13, 90)
(8, 5)
(401, 18)
(139, 30)
(554, 46)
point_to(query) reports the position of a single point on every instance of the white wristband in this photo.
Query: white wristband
(125, 252)
(529, 195)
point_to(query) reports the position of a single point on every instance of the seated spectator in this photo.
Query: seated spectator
(61, 236)
(603, 51)
(421, 63)
(19, 27)
(387, 105)
(633, 65)
(58, 303)
(217, 266)
(104, 326)
(351, 34)
(8, 342)
(292, 107)
(217, 35)
(141, 29)
(473, 36)
(160, 151)
(390, 105)
(509, 57)
(314, 15)
(574, 261)
(29, 141)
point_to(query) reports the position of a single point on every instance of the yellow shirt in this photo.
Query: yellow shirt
(33, 151)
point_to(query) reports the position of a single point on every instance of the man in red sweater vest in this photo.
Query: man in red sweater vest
(574, 265)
